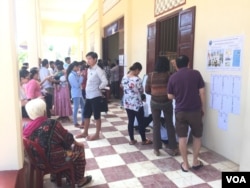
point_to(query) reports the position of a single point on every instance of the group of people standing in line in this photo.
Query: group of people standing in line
(186, 86)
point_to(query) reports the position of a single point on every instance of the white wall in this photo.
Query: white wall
(218, 23)
(11, 157)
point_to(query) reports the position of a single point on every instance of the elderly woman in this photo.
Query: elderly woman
(58, 143)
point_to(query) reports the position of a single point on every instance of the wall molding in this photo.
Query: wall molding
(109, 4)
(92, 19)
(162, 6)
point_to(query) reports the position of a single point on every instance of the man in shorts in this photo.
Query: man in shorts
(96, 81)
(187, 87)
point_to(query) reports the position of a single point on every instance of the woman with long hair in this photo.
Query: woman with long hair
(156, 86)
(75, 80)
(33, 87)
(132, 88)
(62, 103)
(24, 78)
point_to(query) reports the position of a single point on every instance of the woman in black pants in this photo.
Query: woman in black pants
(132, 88)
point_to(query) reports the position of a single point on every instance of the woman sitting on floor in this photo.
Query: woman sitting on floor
(58, 143)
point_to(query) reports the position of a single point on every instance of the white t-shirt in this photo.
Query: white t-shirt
(44, 73)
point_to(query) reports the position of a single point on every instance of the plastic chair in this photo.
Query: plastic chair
(40, 165)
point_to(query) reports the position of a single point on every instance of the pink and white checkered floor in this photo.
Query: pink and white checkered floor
(114, 163)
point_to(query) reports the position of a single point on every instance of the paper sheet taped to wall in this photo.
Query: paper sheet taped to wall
(225, 97)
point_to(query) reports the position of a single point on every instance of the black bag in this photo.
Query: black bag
(103, 104)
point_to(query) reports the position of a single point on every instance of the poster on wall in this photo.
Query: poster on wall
(225, 53)
(121, 60)
(225, 97)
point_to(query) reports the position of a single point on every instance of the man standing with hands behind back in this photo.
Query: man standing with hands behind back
(95, 83)
(187, 87)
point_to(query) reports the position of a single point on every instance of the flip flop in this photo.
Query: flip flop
(80, 136)
(197, 167)
(183, 170)
(88, 180)
(77, 125)
(81, 127)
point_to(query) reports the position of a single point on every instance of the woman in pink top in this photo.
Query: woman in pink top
(33, 87)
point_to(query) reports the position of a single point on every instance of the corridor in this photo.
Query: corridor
(114, 163)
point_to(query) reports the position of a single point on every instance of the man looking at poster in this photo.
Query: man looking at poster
(187, 87)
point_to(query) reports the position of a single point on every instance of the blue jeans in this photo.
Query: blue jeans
(76, 102)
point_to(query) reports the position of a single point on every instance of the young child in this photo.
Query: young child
(147, 117)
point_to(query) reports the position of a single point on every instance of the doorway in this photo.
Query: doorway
(171, 36)
(113, 46)
(168, 37)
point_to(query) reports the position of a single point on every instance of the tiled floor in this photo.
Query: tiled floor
(112, 162)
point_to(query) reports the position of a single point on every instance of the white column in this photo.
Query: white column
(33, 32)
(11, 157)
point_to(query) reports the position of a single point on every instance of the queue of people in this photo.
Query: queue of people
(185, 86)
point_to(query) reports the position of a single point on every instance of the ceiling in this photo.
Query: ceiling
(63, 10)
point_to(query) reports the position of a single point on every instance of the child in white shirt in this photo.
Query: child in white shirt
(147, 117)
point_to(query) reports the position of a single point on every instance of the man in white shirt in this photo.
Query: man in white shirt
(66, 63)
(47, 87)
(147, 117)
(96, 81)
(51, 68)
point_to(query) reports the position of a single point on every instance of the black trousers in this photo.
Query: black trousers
(146, 121)
(131, 118)
(49, 103)
(115, 89)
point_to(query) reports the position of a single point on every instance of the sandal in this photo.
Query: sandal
(132, 142)
(87, 180)
(81, 136)
(146, 142)
(157, 152)
(197, 167)
(77, 125)
(81, 127)
(172, 152)
(183, 170)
